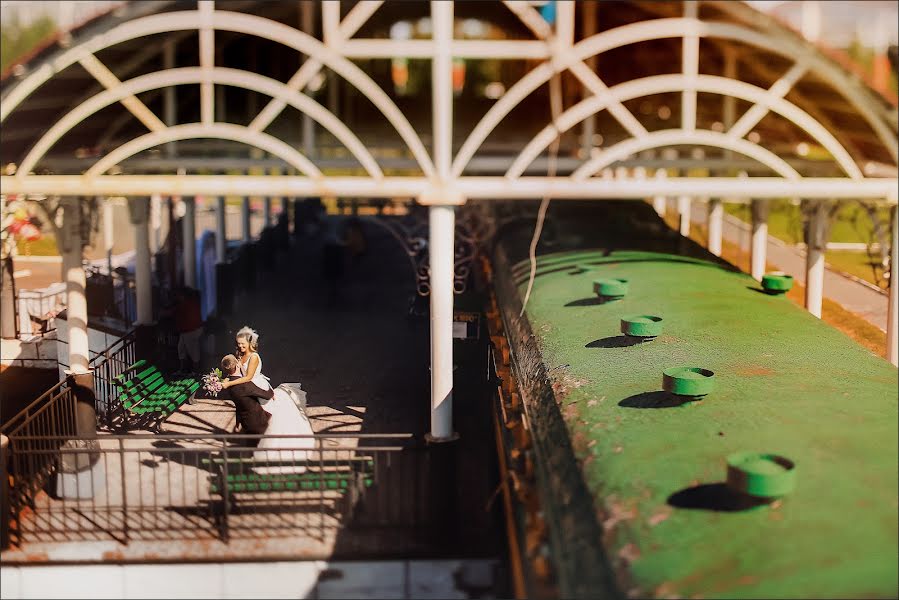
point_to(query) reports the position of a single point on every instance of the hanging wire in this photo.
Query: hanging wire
(555, 107)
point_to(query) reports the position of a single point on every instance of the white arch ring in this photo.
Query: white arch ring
(224, 131)
(193, 75)
(658, 84)
(240, 23)
(674, 137)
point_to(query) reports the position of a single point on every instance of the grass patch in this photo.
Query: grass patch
(46, 246)
(851, 224)
(859, 265)
(857, 328)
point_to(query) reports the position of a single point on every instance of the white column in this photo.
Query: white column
(189, 235)
(660, 203)
(108, 231)
(442, 225)
(76, 282)
(759, 238)
(814, 260)
(156, 223)
(221, 237)
(716, 225)
(245, 219)
(442, 222)
(142, 268)
(683, 211)
(893, 311)
(267, 205)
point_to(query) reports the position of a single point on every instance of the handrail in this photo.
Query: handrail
(11, 424)
(105, 351)
(216, 436)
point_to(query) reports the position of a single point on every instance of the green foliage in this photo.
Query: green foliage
(17, 40)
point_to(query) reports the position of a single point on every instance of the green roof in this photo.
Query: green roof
(785, 383)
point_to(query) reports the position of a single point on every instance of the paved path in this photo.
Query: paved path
(856, 297)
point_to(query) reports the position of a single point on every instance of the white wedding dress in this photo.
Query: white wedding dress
(287, 409)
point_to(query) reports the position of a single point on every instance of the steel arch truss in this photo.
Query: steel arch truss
(442, 176)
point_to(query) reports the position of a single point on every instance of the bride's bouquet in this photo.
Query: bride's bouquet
(212, 382)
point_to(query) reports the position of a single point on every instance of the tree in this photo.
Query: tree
(16, 40)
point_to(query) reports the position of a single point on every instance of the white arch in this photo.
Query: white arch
(193, 75)
(224, 131)
(239, 23)
(658, 84)
(674, 137)
(659, 29)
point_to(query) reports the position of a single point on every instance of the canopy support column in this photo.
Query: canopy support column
(108, 231)
(245, 219)
(442, 222)
(155, 221)
(816, 243)
(893, 311)
(221, 237)
(81, 379)
(716, 225)
(684, 204)
(759, 238)
(76, 283)
(189, 234)
(139, 208)
(660, 203)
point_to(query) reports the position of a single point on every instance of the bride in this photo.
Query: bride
(288, 418)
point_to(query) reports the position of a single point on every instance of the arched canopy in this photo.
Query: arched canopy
(644, 84)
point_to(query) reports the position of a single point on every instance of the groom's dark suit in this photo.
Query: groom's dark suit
(250, 414)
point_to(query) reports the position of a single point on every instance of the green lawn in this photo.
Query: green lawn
(858, 264)
(852, 224)
(46, 246)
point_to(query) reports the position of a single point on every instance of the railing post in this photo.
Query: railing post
(893, 310)
(716, 225)
(759, 238)
(124, 491)
(816, 245)
(5, 506)
(226, 495)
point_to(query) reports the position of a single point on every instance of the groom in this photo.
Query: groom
(245, 396)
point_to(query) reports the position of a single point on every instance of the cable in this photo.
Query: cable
(555, 107)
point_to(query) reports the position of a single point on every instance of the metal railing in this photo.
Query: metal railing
(47, 420)
(207, 487)
(106, 365)
(39, 307)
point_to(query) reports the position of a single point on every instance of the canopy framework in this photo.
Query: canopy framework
(705, 93)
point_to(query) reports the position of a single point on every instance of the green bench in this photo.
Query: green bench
(146, 396)
(337, 475)
(234, 476)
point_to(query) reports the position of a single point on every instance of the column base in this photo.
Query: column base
(430, 439)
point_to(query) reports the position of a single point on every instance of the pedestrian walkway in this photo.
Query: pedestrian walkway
(855, 297)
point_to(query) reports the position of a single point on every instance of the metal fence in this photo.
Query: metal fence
(39, 308)
(106, 365)
(210, 487)
(51, 415)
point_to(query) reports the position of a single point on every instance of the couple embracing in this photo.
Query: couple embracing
(261, 409)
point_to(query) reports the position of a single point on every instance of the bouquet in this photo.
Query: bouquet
(212, 382)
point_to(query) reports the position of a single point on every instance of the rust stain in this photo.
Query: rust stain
(658, 517)
(629, 552)
(113, 555)
(37, 557)
(754, 370)
(665, 590)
